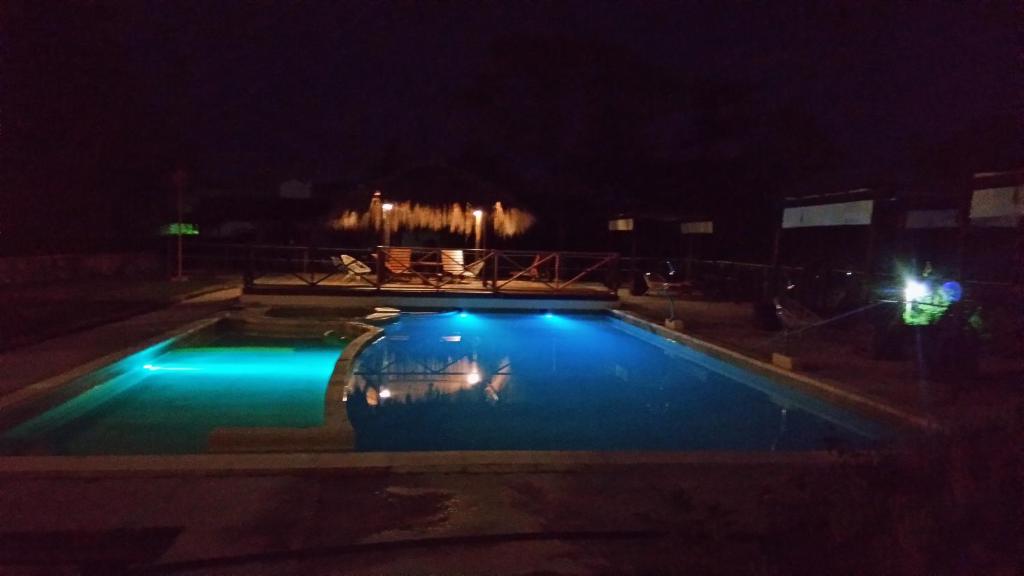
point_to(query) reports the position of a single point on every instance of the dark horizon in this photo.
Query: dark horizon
(687, 107)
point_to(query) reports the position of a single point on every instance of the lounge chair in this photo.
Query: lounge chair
(351, 266)
(453, 264)
(398, 262)
(657, 285)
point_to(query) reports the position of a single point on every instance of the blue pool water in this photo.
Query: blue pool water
(167, 399)
(474, 381)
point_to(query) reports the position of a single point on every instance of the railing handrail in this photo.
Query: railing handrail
(310, 265)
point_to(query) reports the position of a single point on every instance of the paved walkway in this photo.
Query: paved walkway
(664, 520)
(23, 366)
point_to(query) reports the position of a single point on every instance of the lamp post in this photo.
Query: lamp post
(180, 179)
(478, 216)
(387, 207)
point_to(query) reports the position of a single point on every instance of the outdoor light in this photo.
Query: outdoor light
(473, 378)
(478, 213)
(915, 290)
(953, 291)
(388, 206)
(385, 393)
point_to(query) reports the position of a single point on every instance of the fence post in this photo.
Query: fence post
(494, 275)
(558, 266)
(247, 279)
(613, 274)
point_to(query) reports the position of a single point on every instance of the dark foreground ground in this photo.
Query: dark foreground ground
(950, 505)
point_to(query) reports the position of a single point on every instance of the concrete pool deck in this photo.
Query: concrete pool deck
(841, 358)
(569, 521)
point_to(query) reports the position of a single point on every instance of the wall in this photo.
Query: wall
(33, 269)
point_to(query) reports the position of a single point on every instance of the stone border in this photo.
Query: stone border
(377, 463)
(829, 391)
(336, 432)
(427, 300)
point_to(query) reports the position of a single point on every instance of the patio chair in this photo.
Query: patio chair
(399, 262)
(657, 285)
(453, 264)
(351, 266)
(539, 270)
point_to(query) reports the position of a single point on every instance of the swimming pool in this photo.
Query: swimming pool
(503, 381)
(442, 381)
(169, 398)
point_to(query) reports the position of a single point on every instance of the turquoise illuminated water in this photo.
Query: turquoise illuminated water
(473, 381)
(168, 400)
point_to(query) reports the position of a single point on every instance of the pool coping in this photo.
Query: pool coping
(336, 433)
(379, 463)
(821, 388)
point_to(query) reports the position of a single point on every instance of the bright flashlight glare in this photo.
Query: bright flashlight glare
(914, 291)
(385, 393)
(473, 378)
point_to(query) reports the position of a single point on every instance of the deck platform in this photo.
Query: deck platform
(289, 290)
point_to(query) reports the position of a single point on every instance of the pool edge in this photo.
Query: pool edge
(370, 463)
(820, 388)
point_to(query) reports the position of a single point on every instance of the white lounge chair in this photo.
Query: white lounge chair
(453, 264)
(351, 266)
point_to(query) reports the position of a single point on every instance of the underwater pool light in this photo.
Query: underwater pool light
(155, 368)
(385, 393)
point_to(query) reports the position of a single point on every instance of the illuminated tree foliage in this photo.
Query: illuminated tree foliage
(506, 222)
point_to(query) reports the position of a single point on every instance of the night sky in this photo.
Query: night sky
(663, 100)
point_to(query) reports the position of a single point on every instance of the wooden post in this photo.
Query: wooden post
(612, 280)
(381, 268)
(558, 265)
(247, 275)
(494, 272)
(689, 257)
(772, 285)
(305, 264)
(632, 259)
(964, 220)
